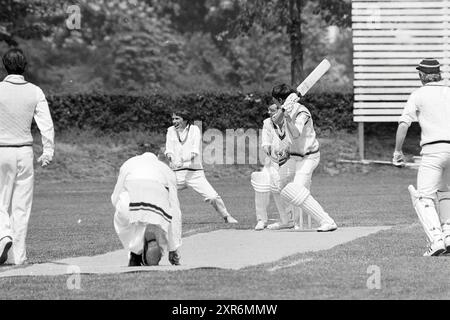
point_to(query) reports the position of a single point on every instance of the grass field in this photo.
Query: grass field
(75, 219)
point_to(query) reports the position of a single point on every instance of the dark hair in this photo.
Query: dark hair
(14, 61)
(152, 147)
(183, 113)
(281, 91)
(430, 77)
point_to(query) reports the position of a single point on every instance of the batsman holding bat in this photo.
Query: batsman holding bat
(430, 105)
(298, 148)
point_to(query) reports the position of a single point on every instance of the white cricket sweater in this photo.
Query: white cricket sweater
(20, 102)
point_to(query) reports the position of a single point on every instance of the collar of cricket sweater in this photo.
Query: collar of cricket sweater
(436, 84)
(290, 102)
(15, 78)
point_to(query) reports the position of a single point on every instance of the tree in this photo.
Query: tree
(263, 58)
(287, 16)
(28, 19)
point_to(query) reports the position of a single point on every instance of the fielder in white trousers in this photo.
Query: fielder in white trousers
(146, 202)
(20, 103)
(430, 106)
(183, 150)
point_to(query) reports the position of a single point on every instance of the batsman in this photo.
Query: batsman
(430, 105)
(298, 148)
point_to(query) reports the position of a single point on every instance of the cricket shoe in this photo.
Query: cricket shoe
(135, 260)
(280, 226)
(447, 244)
(230, 219)
(174, 258)
(446, 230)
(261, 225)
(327, 227)
(5, 245)
(435, 249)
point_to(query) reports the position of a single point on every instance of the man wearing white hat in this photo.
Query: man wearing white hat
(430, 106)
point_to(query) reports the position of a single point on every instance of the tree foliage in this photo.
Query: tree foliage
(288, 16)
(172, 45)
(28, 19)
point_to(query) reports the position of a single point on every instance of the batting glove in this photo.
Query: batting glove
(398, 159)
(174, 258)
(45, 159)
(283, 157)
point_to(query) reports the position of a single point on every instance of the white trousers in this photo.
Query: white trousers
(433, 174)
(16, 197)
(197, 181)
(433, 178)
(302, 174)
(133, 234)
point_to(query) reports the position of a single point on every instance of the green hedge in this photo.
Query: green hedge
(331, 111)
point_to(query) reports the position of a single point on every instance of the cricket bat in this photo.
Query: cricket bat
(313, 77)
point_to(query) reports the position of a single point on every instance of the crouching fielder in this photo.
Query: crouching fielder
(183, 150)
(299, 146)
(430, 105)
(147, 210)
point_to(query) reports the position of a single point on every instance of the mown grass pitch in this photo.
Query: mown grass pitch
(75, 219)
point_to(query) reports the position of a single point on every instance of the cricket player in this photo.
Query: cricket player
(20, 103)
(430, 105)
(147, 209)
(183, 150)
(266, 181)
(298, 145)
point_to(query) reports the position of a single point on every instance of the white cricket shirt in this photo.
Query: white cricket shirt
(430, 106)
(182, 144)
(148, 183)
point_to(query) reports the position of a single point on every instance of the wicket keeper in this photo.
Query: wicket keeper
(267, 181)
